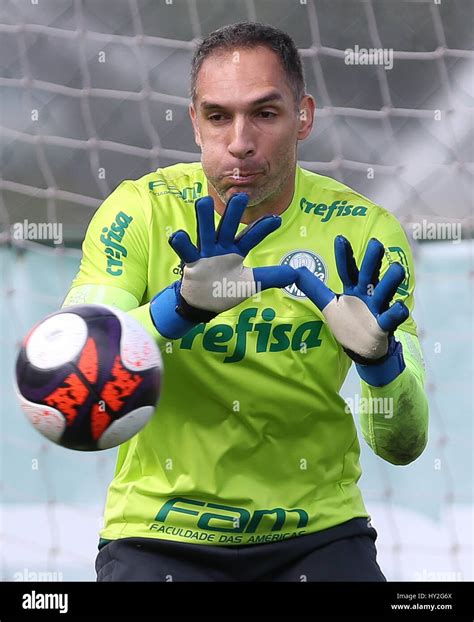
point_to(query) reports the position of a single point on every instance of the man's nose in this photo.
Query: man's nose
(241, 143)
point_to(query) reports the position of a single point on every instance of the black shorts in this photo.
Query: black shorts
(343, 553)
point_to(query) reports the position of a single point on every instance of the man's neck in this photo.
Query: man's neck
(272, 205)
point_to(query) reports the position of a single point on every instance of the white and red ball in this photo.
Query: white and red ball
(88, 377)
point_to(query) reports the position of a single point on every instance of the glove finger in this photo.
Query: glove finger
(182, 245)
(370, 268)
(273, 276)
(314, 288)
(385, 290)
(345, 262)
(231, 218)
(206, 232)
(391, 319)
(257, 231)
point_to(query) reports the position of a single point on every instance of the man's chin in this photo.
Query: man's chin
(256, 194)
(254, 197)
(253, 202)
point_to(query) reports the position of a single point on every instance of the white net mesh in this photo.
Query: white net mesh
(97, 92)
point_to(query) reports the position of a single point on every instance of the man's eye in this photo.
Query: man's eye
(216, 117)
(267, 114)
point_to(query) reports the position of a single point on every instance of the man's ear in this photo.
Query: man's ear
(192, 114)
(306, 116)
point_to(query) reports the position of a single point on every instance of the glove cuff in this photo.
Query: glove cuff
(163, 311)
(193, 314)
(384, 370)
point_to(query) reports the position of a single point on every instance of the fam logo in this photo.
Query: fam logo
(308, 259)
(188, 194)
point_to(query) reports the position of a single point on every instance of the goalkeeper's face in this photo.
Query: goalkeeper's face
(248, 125)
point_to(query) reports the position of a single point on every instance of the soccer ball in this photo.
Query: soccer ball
(88, 377)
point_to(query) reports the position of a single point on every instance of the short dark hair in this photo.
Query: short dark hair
(249, 35)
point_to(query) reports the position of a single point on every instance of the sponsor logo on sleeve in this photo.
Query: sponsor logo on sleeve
(397, 254)
(112, 238)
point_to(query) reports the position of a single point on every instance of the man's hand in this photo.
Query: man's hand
(214, 277)
(360, 318)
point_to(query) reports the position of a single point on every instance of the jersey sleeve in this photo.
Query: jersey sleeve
(399, 435)
(385, 227)
(116, 245)
(398, 432)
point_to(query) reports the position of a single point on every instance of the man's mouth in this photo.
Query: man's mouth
(242, 178)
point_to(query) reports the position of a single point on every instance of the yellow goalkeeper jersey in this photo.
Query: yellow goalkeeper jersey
(251, 441)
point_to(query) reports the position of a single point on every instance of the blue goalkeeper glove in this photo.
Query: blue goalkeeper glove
(360, 318)
(214, 278)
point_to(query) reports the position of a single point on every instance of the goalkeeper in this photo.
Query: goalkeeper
(262, 282)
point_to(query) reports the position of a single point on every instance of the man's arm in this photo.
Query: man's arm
(400, 435)
(117, 274)
(115, 252)
(394, 420)
(116, 297)
(371, 320)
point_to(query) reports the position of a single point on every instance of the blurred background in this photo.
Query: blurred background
(96, 91)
